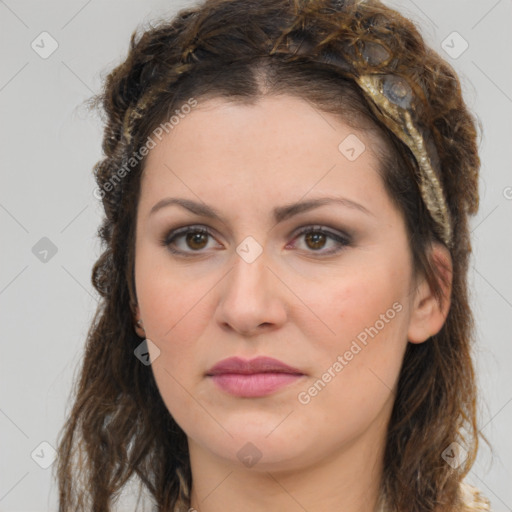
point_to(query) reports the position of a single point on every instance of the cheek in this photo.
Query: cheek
(361, 354)
(175, 313)
(168, 296)
(167, 305)
(358, 301)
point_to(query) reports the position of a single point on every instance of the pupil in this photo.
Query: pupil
(317, 239)
(193, 238)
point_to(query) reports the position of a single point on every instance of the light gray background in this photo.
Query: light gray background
(49, 146)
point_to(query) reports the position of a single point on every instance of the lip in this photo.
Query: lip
(259, 364)
(252, 378)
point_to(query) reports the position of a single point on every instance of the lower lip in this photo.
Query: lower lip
(253, 385)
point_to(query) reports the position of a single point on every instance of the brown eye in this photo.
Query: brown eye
(188, 240)
(315, 240)
(196, 240)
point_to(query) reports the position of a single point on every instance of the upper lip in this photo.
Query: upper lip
(257, 365)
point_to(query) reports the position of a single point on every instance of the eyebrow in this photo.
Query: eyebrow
(280, 213)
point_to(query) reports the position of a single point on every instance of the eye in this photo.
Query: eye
(194, 237)
(316, 238)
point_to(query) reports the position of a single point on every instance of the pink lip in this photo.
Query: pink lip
(256, 377)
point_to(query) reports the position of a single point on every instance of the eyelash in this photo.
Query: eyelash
(342, 239)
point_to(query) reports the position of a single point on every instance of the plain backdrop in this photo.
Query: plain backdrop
(49, 216)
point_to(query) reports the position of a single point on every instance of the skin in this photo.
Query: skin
(294, 302)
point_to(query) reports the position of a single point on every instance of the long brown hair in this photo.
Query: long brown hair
(119, 427)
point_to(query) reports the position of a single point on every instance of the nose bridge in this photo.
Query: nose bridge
(251, 295)
(251, 258)
(249, 277)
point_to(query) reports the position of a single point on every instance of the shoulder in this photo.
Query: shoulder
(473, 500)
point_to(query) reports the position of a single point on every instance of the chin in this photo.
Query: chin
(258, 448)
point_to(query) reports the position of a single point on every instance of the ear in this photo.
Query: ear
(429, 311)
(139, 329)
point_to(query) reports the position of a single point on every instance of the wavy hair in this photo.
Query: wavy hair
(118, 427)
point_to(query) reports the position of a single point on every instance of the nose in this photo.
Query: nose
(252, 298)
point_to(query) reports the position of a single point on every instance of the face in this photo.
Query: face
(324, 288)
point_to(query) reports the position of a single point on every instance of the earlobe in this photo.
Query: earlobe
(138, 326)
(430, 309)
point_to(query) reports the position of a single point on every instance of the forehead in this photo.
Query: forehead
(278, 145)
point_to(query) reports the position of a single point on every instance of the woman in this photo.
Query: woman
(284, 321)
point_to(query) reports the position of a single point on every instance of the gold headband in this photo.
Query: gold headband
(391, 99)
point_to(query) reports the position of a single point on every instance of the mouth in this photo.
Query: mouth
(252, 378)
